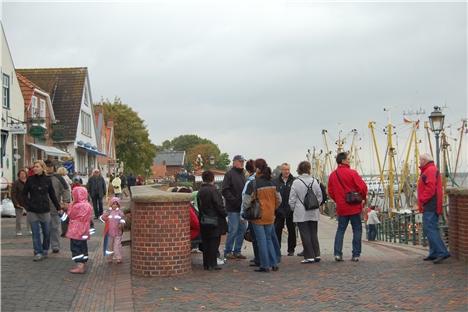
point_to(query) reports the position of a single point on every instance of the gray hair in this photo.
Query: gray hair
(426, 156)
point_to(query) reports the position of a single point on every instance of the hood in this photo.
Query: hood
(80, 194)
(115, 200)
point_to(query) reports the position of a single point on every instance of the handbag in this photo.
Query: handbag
(209, 221)
(253, 211)
(352, 197)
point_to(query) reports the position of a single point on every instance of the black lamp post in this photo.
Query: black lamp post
(436, 118)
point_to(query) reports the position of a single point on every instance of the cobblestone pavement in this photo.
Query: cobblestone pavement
(388, 278)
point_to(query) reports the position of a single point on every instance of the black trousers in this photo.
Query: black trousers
(279, 225)
(79, 250)
(97, 205)
(210, 251)
(309, 237)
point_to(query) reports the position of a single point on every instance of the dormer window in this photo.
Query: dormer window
(34, 108)
(42, 108)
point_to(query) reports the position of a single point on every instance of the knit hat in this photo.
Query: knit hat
(115, 200)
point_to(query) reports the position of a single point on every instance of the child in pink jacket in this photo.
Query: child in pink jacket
(79, 214)
(115, 220)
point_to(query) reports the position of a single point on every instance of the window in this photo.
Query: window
(85, 123)
(86, 102)
(34, 108)
(42, 108)
(6, 91)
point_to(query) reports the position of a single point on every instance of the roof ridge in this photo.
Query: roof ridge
(53, 68)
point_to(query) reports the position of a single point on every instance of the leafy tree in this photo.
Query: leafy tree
(194, 145)
(132, 143)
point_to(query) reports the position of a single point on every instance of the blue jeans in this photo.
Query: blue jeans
(266, 250)
(40, 247)
(372, 231)
(431, 229)
(276, 244)
(235, 235)
(357, 234)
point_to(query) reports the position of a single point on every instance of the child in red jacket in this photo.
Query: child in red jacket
(79, 215)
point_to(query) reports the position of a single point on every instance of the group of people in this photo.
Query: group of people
(295, 202)
(56, 205)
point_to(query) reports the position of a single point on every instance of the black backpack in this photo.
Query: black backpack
(310, 200)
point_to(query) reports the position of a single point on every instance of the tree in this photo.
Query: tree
(194, 145)
(132, 143)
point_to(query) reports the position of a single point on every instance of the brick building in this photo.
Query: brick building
(168, 164)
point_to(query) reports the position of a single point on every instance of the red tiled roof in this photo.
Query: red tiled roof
(65, 87)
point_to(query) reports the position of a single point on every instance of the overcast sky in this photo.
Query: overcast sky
(259, 78)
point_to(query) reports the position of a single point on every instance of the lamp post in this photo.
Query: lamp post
(436, 119)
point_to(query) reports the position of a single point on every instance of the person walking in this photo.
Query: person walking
(97, 190)
(372, 222)
(80, 215)
(19, 201)
(63, 194)
(117, 186)
(306, 220)
(115, 221)
(430, 200)
(37, 192)
(284, 214)
(131, 181)
(264, 190)
(233, 184)
(212, 220)
(349, 191)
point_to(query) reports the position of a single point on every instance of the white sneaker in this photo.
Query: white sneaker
(220, 261)
(19, 234)
(310, 260)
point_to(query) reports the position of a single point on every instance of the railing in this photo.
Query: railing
(406, 228)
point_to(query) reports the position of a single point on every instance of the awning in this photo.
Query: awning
(91, 151)
(50, 150)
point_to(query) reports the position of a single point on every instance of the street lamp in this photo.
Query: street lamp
(436, 119)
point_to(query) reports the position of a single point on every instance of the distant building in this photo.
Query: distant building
(75, 133)
(106, 142)
(168, 163)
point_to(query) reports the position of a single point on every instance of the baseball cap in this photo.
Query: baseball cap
(238, 157)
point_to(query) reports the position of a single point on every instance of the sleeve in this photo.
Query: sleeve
(26, 190)
(227, 188)
(14, 194)
(331, 187)
(105, 215)
(317, 190)
(122, 217)
(293, 196)
(52, 195)
(66, 194)
(247, 197)
(218, 201)
(103, 182)
(362, 186)
(278, 200)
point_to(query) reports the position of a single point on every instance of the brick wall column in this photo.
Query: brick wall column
(458, 223)
(160, 232)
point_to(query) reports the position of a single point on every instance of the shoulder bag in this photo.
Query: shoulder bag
(253, 211)
(352, 197)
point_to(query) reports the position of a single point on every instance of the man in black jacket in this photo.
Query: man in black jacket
(233, 185)
(284, 212)
(97, 190)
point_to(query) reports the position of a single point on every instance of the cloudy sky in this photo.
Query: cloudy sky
(259, 78)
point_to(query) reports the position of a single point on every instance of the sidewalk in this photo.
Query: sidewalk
(388, 278)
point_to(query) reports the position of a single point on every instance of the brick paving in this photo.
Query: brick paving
(388, 278)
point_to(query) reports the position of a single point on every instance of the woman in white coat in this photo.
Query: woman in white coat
(306, 220)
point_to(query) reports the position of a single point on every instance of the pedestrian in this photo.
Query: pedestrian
(123, 181)
(64, 173)
(37, 191)
(306, 220)
(62, 192)
(430, 200)
(79, 215)
(97, 190)
(372, 222)
(250, 167)
(115, 222)
(117, 186)
(233, 185)
(284, 214)
(349, 192)
(264, 190)
(212, 220)
(131, 181)
(19, 201)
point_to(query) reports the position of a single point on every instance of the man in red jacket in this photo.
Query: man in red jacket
(349, 192)
(430, 198)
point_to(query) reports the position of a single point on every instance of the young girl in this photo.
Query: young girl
(79, 215)
(115, 220)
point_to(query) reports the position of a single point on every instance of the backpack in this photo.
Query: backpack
(310, 200)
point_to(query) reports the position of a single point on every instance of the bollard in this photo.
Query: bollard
(160, 232)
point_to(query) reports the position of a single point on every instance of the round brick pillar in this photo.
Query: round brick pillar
(160, 232)
(458, 223)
